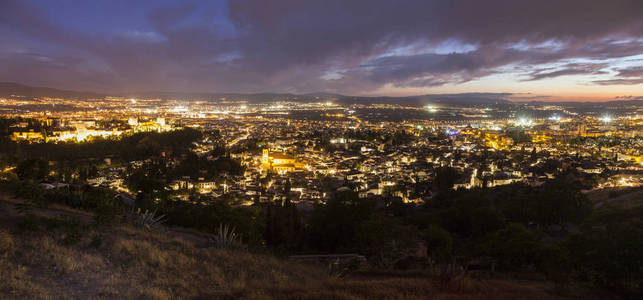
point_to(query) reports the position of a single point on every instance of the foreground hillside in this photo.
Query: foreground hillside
(57, 252)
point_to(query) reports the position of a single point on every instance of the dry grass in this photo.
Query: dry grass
(7, 244)
(124, 262)
(135, 264)
(15, 282)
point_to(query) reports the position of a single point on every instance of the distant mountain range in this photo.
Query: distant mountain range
(473, 98)
(8, 89)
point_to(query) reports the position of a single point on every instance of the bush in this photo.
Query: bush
(148, 220)
(385, 240)
(439, 243)
(26, 190)
(609, 250)
(513, 246)
(227, 238)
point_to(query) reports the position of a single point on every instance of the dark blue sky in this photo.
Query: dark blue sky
(573, 49)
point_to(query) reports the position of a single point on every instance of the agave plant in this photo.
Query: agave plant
(147, 219)
(226, 238)
(23, 208)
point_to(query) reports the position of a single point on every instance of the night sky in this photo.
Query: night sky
(545, 49)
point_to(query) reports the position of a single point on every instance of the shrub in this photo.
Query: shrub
(226, 238)
(514, 246)
(439, 243)
(147, 219)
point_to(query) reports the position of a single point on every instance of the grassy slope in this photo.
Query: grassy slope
(617, 197)
(125, 262)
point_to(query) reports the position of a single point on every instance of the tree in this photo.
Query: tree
(513, 247)
(282, 225)
(445, 177)
(560, 202)
(439, 243)
(609, 249)
(332, 227)
(33, 169)
(384, 239)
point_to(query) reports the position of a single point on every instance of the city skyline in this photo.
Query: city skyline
(549, 51)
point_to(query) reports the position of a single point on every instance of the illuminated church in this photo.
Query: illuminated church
(278, 162)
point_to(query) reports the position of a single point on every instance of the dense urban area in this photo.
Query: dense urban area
(547, 189)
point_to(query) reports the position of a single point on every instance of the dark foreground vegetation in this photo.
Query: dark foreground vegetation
(58, 252)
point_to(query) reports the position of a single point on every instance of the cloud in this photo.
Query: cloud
(568, 69)
(619, 81)
(425, 70)
(52, 70)
(631, 72)
(628, 98)
(626, 76)
(293, 45)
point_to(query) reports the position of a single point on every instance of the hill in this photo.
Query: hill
(421, 100)
(8, 89)
(625, 198)
(58, 252)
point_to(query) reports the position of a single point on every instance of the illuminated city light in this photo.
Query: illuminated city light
(179, 109)
(524, 122)
(431, 108)
(606, 119)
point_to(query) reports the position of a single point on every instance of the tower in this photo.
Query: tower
(582, 129)
(265, 159)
